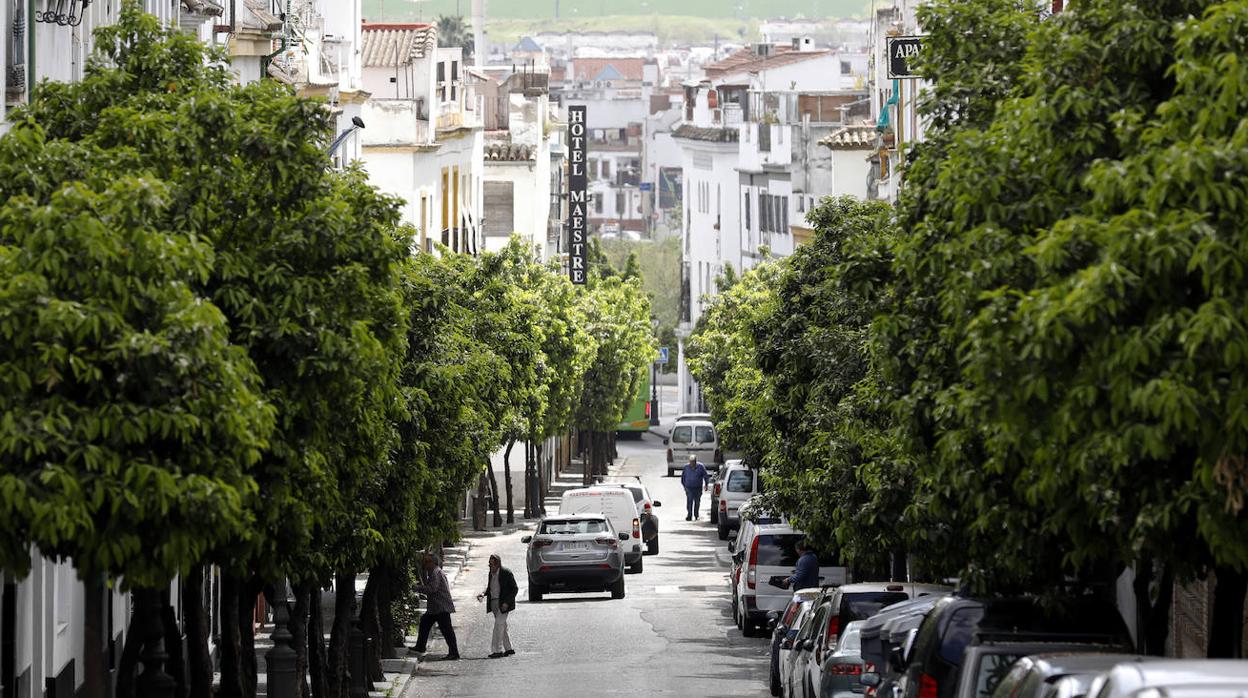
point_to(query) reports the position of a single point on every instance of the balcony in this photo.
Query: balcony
(395, 122)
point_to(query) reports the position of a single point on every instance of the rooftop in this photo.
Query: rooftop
(747, 61)
(856, 137)
(392, 44)
(628, 68)
(713, 134)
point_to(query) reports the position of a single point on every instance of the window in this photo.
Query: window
(454, 78)
(764, 212)
(784, 213)
(846, 68)
(598, 205)
(740, 481)
(683, 435)
(747, 210)
(565, 528)
(499, 209)
(619, 203)
(606, 168)
(704, 435)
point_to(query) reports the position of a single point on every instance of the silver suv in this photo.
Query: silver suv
(575, 552)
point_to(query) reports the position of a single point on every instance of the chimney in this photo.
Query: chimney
(479, 48)
(803, 43)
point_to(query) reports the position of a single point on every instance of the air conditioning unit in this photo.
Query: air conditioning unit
(762, 50)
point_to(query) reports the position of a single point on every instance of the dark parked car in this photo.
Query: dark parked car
(958, 624)
(884, 636)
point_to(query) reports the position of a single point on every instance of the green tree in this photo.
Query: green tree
(453, 31)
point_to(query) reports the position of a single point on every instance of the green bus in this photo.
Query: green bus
(637, 418)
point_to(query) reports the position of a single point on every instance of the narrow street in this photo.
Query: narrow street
(672, 635)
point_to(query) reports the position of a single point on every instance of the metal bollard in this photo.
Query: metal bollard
(280, 659)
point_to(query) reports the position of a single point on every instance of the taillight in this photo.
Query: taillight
(834, 629)
(542, 542)
(636, 528)
(845, 669)
(927, 687)
(723, 505)
(717, 488)
(609, 542)
(751, 576)
(669, 455)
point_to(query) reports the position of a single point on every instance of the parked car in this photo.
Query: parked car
(738, 483)
(693, 438)
(575, 553)
(762, 553)
(793, 669)
(616, 503)
(850, 603)
(986, 666)
(785, 632)
(884, 640)
(938, 666)
(1174, 678)
(1059, 675)
(839, 673)
(646, 506)
(717, 485)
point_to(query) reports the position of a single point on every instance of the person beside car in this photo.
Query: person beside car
(696, 481)
(500, 598)
(806, 573)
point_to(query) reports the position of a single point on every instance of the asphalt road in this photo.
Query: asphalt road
(671, 635)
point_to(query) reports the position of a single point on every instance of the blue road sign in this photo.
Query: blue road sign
(662, 355)
(647, 186)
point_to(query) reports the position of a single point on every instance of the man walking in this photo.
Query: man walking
(500, 598)
(695, 479)
(438, 609)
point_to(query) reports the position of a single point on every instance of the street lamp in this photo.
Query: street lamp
(356, 124)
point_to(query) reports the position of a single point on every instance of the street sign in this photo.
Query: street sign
(662, 355)
(647, 186)
(901, 51)
(578, 182)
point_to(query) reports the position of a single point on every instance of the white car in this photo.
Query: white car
(763, 553)
(616, 503)
(693, 438)
(738, 483)
(1177, 678)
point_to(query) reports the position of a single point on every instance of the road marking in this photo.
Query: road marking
(671, 589)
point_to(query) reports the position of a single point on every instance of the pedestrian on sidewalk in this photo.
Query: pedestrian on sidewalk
(500, 599)
(696, 480)
(438, 609)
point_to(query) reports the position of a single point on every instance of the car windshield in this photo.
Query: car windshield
(682, 435)
(704, 435)
(559, 528)
(860, 606)
(991, 670)
(740, 481)
(638, 494)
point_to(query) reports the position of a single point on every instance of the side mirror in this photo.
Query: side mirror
(809, 646)
(623, 536)
(527, 539)
(666, 441)
(732, 546)
(869, 678)
(656, 503)
(772, 618)
(786, 644)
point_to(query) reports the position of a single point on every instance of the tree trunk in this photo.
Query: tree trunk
(1152, 618)
(247, 635)
(344, 604)
(1226, 633)
(370, 623)
(511, 516)
(317, 661)
(94, 638)
(587, 459)
(539, 498)
(198, 660)
(175, 666)
(231, 638)
(298, 627)
(494, 493)
(385, 608)
(481, 503)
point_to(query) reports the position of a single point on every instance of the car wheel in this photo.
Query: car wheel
(722, 530)
(774, 683)
(617, 589)
(810, 688)
(714, 515)
(670, 473)
(748, 628)
(652, 547)
(535, 593)
(638, 566)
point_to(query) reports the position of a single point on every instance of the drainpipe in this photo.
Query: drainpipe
(30, 49)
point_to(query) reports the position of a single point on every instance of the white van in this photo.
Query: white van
(763, 552)
(697, 438)
(616, 503)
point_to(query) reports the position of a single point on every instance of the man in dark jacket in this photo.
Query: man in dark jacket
(439, 608)
(500, 596)
(695, 480)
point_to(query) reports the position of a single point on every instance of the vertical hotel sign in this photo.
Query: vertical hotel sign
(578, 183)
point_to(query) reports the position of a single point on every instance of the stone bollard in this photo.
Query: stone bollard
(153, 682)
(280, 659)
(359, 684)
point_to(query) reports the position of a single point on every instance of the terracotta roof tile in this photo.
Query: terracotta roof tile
(712, 134)
(746, 61)
(397, 44)
(857, 137)
(587, 68)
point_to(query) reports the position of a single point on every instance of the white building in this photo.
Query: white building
(422, 139)
(752, 164)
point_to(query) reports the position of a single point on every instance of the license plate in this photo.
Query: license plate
(573, 546)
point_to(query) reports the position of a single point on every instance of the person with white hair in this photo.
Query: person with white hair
(438, 609)
(696, 481)
(500, 599)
